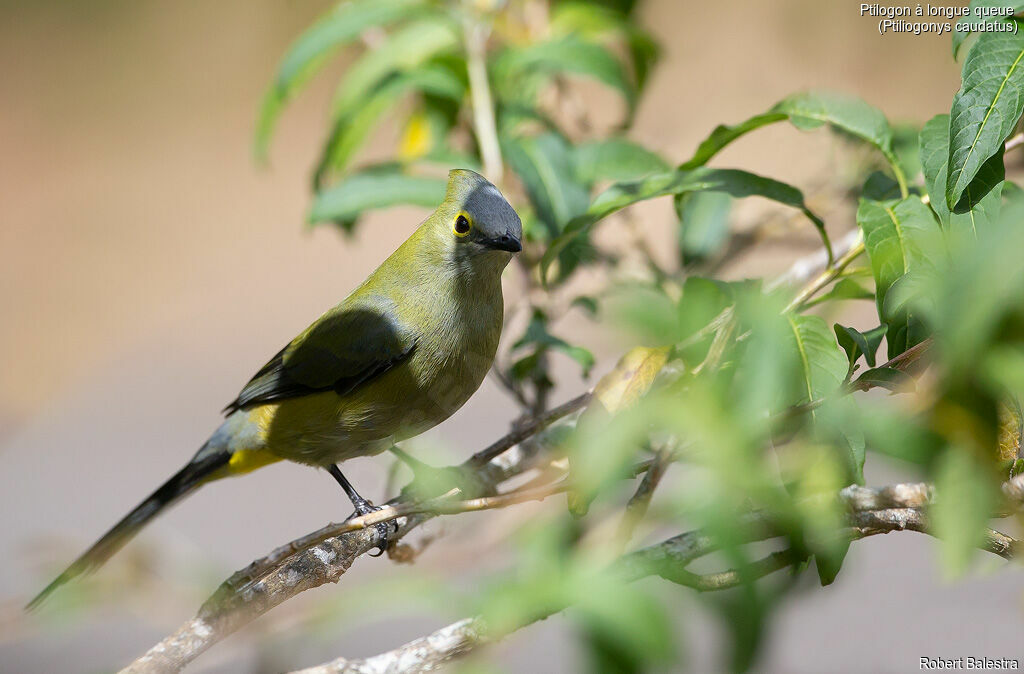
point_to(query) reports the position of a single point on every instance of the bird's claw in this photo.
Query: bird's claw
(364, 507)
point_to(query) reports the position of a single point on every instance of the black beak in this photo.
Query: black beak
(505, 242)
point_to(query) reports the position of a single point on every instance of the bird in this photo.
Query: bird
(402, 353)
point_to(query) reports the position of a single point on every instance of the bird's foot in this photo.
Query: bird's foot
(364, 507)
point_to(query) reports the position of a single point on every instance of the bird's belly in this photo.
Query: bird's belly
(429, 387)
(327, 428)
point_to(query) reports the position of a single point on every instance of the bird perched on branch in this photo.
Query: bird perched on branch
(398, 356)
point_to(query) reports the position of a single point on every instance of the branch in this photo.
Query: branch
(872, 511)
(805, 268)
(323, 556)
(421, 655)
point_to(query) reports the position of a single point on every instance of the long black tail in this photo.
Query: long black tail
(184, 481)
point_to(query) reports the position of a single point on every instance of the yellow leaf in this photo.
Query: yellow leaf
(621, 388)
(632, 378)
(416, 138)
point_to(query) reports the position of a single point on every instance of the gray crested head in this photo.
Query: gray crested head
(480, 216)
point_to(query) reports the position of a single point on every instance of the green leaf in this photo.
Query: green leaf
(406, 49)
(985, 109)
(981, 200)
(537, 335)
(569, 55)
(1012, 193)
(905, 147)
(596, 22)
(822, 366)
(724, 134)
(587, 303)
(308, 53)
(374, 188)
(964, 499)
(959, 35)
(857, 343)
(879, 187)
(845, 289)
(810, 110)
(629, 631)
(703, 224)
(614, 159)
(896, 234)
(730, 181)
(354, 126)
(544, 164)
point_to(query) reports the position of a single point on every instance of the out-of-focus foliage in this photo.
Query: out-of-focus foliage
(761, 404)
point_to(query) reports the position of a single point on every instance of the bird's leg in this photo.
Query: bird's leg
(362, 506)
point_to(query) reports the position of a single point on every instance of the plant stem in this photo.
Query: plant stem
(826, 276)
(476, 33)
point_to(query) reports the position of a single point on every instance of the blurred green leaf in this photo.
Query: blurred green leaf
(844, 289)
(731, 181)
(880, 187)
(906, 148)
(896, 237)
(587, 303)
(593, 21)
(614, 159)
(821, 520)
(982, 201)
(959, 36)
(341, 25)
(985, 109)
(630, 629)
(544, 164)
(406, 49)
(568, 56)
(703, 224)
(354, 125)
(963, 505)
(977, 297)
(346, 200)
(537, 334)
(647, 312)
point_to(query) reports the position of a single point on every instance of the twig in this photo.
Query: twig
(529, 428)
(827, 276)
(723, 580)
(637, 506)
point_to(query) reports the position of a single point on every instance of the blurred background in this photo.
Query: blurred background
(150, 266)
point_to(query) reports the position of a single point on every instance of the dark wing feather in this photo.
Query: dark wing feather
(345, 348)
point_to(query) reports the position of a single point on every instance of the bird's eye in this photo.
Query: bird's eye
(461, 226)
